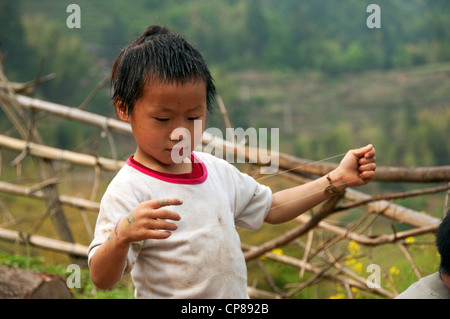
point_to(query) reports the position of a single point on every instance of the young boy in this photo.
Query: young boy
(192, 250)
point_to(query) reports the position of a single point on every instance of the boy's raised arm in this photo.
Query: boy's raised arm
(356, 168)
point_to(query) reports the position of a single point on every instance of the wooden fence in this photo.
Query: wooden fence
(323, 260)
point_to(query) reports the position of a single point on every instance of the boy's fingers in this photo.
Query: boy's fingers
(162, 225)
(366, 160)
(153, 208)
(158, 234)
(370, 154)
(360, 152)
(367, 175)
(164, 214)
(161, 202)
(169, 201)
(367, 167)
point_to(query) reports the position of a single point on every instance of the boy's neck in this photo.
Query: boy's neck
(182, 168)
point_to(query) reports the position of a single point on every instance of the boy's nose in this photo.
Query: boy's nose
(180, 133)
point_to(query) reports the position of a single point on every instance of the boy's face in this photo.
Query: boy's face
(163, 108)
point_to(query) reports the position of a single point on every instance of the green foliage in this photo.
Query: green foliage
(63, 54)
(263, 34)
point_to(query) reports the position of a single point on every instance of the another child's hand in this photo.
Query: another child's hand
(357, 167)
(148, 220)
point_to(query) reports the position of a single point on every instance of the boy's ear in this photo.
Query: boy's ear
(121, 111)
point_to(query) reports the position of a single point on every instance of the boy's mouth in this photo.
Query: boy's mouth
(178, 150)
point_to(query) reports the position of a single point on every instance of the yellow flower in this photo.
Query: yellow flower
(353, 247)
(353, 264)
(357, 268)
(350, 261)
(394, 271)
(338, 296)
(409, 240)
(277, 251)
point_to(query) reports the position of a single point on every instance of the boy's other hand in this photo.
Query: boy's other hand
(148, 221)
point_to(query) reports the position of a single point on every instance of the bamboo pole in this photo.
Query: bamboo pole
(396, 212)
(64, 199)
(72, 249)
(412, 193)
(75, 114)
(57, 154)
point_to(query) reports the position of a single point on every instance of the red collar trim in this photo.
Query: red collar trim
(197, 176)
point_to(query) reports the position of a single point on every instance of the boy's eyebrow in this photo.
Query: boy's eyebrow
(169, 110)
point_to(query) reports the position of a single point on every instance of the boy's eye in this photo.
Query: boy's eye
(194, 118)
(161, 119)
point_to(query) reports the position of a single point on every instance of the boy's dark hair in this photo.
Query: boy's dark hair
(443, 244)
(161, 55)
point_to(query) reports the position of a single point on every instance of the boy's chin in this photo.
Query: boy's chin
(179, 156)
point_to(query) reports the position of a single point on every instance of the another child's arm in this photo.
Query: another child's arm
(356, 168)
(144, 222)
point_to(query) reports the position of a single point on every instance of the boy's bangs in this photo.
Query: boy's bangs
(164, 57)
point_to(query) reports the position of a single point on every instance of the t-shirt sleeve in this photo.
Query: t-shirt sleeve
(253, 200)
(112, 208)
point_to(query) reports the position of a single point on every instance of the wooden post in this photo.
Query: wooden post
(15, 113)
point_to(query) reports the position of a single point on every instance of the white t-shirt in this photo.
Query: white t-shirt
(203, 257)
